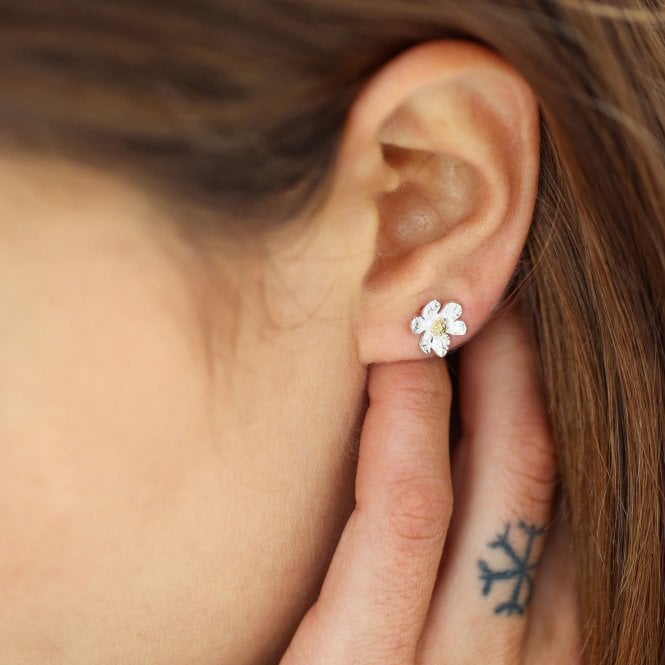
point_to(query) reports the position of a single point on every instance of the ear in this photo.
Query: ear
(450, 134)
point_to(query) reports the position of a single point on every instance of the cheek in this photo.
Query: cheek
(287, 446)
(101, 440)
(146, 514)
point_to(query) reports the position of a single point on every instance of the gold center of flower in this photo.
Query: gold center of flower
(438, 328)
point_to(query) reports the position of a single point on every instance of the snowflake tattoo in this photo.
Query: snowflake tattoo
(519, 571)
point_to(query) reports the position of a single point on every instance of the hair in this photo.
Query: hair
(238, 107)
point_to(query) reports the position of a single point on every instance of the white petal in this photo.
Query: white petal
(452, 311)
(418, 325)
(440, 345)
(457, 328)
(431, 309)
(426, 342)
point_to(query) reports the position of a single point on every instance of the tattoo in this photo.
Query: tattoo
(519, 572)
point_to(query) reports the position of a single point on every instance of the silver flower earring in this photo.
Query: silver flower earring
(435, 325)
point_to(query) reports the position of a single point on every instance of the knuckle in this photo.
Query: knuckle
(422, 405)
(531, 466)
(419, 395)
(386, 647)
(419, 509)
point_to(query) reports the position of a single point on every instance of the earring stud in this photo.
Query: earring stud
(435, 325)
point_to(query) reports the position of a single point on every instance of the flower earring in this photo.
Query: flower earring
(435, 325)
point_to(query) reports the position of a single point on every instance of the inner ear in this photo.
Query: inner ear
(436, 193)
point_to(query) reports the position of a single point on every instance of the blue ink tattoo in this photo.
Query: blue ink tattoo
(519, 571)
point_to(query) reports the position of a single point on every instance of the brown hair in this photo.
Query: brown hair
(238, 106)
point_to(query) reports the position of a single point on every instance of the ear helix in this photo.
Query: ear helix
(435, 325)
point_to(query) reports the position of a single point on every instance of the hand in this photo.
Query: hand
(414, 580)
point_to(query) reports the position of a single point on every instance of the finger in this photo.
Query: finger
(554, 635)
(378, 588)
(504, 482)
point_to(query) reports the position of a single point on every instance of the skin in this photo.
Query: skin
(180, 422)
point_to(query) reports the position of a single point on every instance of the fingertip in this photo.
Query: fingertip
(405, 433)
(400, 379)
(500, 372)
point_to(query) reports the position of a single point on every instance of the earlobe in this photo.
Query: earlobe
(459, 128)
